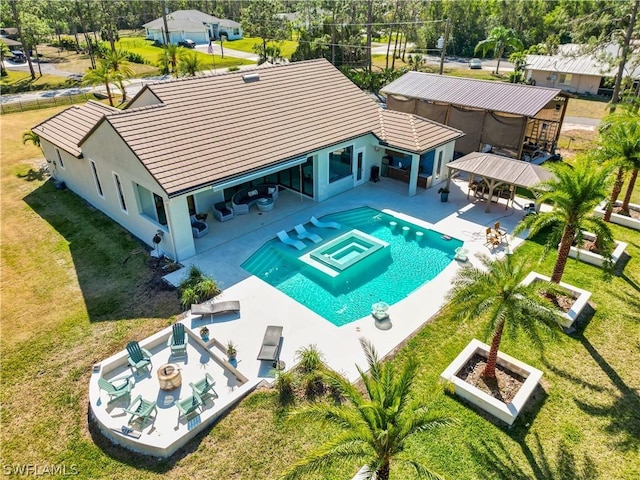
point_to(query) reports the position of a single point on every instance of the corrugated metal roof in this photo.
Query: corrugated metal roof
(413, 133)
(503, 97)
(210, 129)
(583, 65)
(69, 127)
(504, 169)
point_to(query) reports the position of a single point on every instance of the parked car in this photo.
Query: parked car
(18, 56)
(187, 43)
(475, 64)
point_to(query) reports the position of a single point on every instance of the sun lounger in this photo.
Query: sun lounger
(304, 233)
(215, 308)
(270, 349)
(286, 239)
(320, 224)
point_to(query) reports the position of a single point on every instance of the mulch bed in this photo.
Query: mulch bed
(563, 302)
(504, 387)
(635, 214)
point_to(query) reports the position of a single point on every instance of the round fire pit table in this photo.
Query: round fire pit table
(265, 204)
(169, 376)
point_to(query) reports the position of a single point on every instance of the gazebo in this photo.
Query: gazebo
(496, 171)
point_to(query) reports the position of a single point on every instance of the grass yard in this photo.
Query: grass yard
(590, 108)
(76, 288)
(287, 47)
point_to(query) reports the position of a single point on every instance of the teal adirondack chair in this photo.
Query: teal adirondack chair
(188, 405)
(204, 387)
(178, 340)
(138, 358)
(140, 409)
(115, 392)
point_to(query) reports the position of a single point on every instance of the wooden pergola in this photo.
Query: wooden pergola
(496, 170)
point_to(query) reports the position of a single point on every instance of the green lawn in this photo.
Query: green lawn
(73, 296)
(287, 47)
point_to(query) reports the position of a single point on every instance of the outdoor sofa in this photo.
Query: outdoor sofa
(245, 198)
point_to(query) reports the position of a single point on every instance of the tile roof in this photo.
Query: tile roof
(495, 96)
(69, 127)
(412, 132)
(210, 129)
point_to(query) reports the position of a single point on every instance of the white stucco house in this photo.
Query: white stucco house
(302, 127)
(194, 25)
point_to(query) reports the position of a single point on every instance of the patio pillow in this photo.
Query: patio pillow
(252, 193)
(271, 190)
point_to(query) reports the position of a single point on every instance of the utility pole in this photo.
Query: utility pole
(444, 45)
(164, 19)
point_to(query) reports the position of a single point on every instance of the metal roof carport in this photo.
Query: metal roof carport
(513, 118)
(496, 170)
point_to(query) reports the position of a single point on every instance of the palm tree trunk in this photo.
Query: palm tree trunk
(109, 93)
(393, 19)
(563, 253)
(617, 188)
(383, 472)
(630, 187)
(500, 52)
(490, 369)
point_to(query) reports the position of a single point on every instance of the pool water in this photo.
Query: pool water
(414, 256)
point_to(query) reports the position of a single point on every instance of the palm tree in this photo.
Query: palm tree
(374, 426)
(170, 56)
(117, 61)
(495, 293)
(498, 40)
(102, 74)
(4, 51)
(190, 64)
(31, 136)
(620, 143)
(574, 193)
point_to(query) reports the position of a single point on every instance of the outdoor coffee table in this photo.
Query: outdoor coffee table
(265, 204)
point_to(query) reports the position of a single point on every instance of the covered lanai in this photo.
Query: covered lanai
(489, 174)
(515, 120)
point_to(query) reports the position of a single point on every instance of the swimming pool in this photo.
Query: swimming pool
(373, 257)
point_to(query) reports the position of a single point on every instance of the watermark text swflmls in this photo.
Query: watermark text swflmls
(40, 470)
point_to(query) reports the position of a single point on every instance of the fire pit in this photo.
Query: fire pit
(169, 376)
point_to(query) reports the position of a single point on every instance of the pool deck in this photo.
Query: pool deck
(263, 305)
(228, 246)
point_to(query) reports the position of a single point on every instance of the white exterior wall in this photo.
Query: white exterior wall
(111, 155)
(579, 83)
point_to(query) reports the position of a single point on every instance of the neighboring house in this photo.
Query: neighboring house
(9, 32)
(574, 72)
(12, 44)
(515, 120)
(303, 126)
(194, 25)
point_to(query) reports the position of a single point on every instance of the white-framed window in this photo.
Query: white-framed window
(151, 205)
(123, 202)
(60, 162)
(96, 178)
(565, 79)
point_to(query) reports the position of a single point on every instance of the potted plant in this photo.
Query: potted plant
(204, 334)
(444, 194)
(231, 350)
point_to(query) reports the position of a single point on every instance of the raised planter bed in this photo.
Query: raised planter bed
(507, 412)
(618, 219)
(595, 258)
(581, 297)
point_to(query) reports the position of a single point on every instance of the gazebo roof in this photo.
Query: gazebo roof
(503, 169)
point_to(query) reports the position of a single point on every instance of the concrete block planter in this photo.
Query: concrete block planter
(595, 258)
(581, 297)
(507, 412)
(620, 219)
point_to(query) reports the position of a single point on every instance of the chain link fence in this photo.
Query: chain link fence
(65, 99)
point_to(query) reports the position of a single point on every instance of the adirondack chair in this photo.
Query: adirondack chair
(204, 387)
(188, 405)
(138, 358)
(178, 340)
(140, 409)
(115, 392)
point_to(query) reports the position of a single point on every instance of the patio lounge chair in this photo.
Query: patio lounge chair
(320, 224)
(304, 233)
(115, 392)
(215, 308)
(204, 387)
(270, 349)
(221, 212)
(138, 357)
(286, 239)
(140, 409)
(188, 405)
(178, 340)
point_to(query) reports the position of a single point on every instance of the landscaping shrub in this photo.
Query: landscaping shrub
(196, 288)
